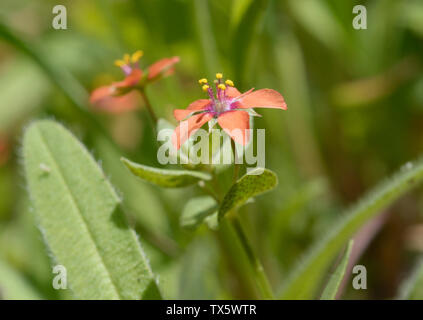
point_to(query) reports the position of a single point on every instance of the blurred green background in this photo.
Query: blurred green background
(355, 114)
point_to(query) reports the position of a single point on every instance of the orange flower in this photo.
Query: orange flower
(118, 96)
(228, 107)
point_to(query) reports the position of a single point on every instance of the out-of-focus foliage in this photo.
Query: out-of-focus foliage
(355, 115)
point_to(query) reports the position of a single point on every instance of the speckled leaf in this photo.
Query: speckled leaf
(81, 218)
(164, 177)
(248, 186)
(196, 210)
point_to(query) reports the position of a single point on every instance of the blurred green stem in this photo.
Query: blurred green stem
(149, 108)
(260, 276)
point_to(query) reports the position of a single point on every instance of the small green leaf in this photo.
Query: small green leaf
(335, 280)
(196, 210)
(248, 186)
(81, 218)
(164, 177)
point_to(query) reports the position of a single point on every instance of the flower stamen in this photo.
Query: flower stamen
(136, 56)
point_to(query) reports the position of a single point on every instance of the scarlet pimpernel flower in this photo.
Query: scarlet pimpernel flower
(119, 96)
(227, 106)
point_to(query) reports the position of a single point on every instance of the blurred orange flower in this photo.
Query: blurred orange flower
(119, 96)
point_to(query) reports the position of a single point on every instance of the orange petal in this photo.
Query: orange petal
(188, 127)
(264, 98)
(235, 124)
(131, 80)
(101, 93)
(162, 68)
(103, 100)
(198, 105)
(232, 92)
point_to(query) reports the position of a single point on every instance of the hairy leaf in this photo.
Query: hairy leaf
(80, 216)
(248, 186)
(165, 178)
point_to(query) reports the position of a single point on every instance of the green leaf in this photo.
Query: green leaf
(13, 285)
(81, 218)
(412, 288)
(164, 177)
(196, 210)
(335, 280)
(246, 187)
(305, 277)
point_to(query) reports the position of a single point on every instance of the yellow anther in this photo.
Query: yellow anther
(221, 86)
(202, 81)
(119, 63)
(136, 56)
(229, 83)
(127, 58)
(219, 76)
(205, 87)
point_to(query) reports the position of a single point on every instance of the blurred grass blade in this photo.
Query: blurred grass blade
(305, 277)
(244, 37)
(13, 286)
(319, 21)
(64, 80)
(336, 278)
(196, 210)
(165, 178)
(293, 79)
(81, 218)
(412, 288)
(246, 187)
(239, 8)
(58, 75)
(206, 36)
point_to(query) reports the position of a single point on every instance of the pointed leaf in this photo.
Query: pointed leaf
(80, 215)
(165, 178)
(335, 280)
(246, 187)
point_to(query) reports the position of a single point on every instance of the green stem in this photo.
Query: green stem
(237, 166)
(149, 108)
(260, 276)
